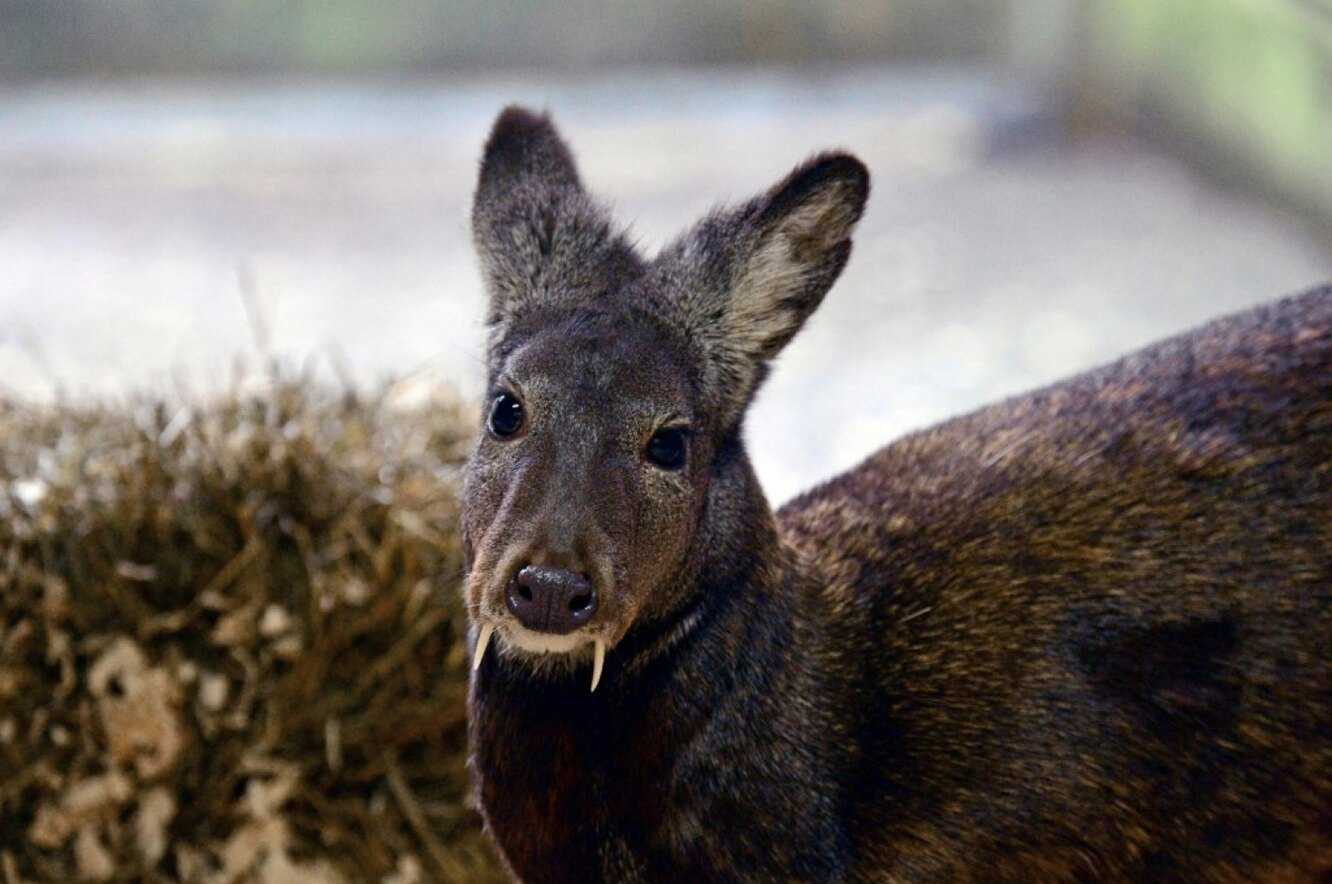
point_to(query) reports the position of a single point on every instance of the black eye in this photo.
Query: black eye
(667, 448)
(506, 415)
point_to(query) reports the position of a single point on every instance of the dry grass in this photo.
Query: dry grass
(230, 641)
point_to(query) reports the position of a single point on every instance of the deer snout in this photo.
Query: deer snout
(549, 599)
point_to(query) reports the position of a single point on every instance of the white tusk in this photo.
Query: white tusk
(598, 660)
(482, 641)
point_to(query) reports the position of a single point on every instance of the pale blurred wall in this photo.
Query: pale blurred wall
(137, 174)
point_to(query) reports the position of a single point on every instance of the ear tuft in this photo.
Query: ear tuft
(525, 145)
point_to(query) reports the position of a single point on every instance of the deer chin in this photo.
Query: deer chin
(542, 647)
(523, 639)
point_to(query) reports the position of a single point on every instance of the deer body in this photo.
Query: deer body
(1079, 635)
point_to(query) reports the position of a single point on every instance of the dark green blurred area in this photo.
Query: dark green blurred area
(1242, 87)
(337, 36)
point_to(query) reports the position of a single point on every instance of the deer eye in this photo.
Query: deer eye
(506, 415)
(667, 447)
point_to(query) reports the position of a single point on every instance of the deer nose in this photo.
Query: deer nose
(555, 600)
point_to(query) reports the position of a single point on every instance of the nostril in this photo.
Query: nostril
(548, 599)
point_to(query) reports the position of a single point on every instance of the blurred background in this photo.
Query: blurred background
(188, 184)
(231, 638)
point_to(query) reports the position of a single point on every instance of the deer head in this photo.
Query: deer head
(610, 474)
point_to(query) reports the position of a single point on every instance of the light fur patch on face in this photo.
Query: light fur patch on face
(542, 643)
(545, 653)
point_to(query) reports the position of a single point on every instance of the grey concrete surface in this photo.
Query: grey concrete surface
(996, 253)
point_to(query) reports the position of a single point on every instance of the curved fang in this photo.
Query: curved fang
(598, 660)
(482, 641)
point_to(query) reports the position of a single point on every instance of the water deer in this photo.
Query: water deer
(1081, 635)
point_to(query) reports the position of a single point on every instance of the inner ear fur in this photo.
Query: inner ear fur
(744, 281)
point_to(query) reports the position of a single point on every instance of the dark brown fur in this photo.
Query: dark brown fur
(1080, 635)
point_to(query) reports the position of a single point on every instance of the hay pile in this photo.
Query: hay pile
(230, 642)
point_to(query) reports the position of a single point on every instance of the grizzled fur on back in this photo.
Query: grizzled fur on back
(1079, 635)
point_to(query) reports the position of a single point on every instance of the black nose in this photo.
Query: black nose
(551, 599)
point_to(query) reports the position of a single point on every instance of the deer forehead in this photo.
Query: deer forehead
(609, 366)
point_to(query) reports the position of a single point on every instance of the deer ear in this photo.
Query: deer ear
(524, 150)
(795, 247)
(541, 240)
(752, 276)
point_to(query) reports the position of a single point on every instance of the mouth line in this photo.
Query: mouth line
(538, 643)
